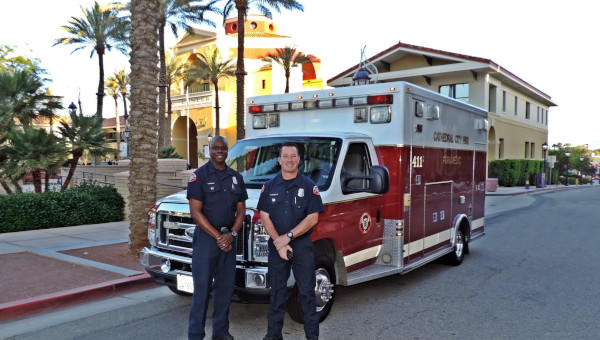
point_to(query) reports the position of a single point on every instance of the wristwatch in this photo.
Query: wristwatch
(234, 233)
(290, 235)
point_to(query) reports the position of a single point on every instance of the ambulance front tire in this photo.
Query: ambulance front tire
(324, 291)
(179, 292)
(457, 255)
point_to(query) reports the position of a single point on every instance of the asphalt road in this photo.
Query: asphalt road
(535, 275)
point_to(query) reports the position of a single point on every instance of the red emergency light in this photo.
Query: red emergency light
(255, 109)
(380, 99)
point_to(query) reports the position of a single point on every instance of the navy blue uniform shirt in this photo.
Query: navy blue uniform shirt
(219, 191)
(289, 202)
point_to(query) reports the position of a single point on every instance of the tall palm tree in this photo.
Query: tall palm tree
(176, 14)
(32, 151)
(83, 134)
(101, 29)
(288, 58)
(241, 6)
(112, 87)
(122, 80)
(175, 72)
(210, 66)
(144, 110)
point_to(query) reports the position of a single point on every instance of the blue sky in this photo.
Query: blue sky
(550, 44)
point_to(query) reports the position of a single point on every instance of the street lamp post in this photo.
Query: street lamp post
(72, 108)
(568, 154)
(581, 170)
(545, 148)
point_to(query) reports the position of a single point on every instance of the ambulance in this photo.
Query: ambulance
(400, 169)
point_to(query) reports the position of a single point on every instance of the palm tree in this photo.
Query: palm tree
(144, 110)
(101, 29)
(175, 69)
(84, 134)
(32, 151)
(176, 13)
(112, 86)
(288, 58)
(122, 80)
(241, 6)
(209, 67)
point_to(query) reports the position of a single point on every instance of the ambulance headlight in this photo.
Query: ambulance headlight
(152, 236)
(259, 121)
(381, 115)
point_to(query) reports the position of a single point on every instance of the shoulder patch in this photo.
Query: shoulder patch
(316, 190)
(263, 189)
(192, 178)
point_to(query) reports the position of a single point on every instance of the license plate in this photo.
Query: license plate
(185, 283)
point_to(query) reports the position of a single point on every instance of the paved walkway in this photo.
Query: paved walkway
(63, 266)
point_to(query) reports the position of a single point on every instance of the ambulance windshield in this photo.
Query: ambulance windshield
(256, 159)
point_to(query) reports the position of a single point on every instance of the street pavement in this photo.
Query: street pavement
(61, 253)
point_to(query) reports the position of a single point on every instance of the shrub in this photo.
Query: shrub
(513, 172)
(86, 204)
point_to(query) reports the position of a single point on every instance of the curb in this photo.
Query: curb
(528, 191)
(42, 303)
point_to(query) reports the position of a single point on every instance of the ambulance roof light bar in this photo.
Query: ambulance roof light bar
(379, 99)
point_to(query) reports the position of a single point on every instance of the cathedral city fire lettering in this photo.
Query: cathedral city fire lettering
(450, 138)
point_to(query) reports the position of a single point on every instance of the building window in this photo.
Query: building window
(542, 116)
(456, 91)
(492, 99)
(538, 111)
(546, 117)
(501, 148)
(503, 101)
(516, 105)
(526, 149)
(264, 84)
(199, 88)
(532, 150)
(527, 110)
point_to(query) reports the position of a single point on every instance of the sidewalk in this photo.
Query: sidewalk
(52, 268)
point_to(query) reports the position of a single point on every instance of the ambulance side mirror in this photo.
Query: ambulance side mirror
(378, 181)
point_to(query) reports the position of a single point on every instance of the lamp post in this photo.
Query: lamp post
(361, 77)
(127, 132)
(545, 148)
(581, 170)
(72, 108)
(568, 154)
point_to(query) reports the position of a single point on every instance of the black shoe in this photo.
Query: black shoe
(315, 337)
(223, 337)
(277, 336)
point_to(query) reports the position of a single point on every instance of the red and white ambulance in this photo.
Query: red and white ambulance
(401, 171)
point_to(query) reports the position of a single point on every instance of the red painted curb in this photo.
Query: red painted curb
(42, 303)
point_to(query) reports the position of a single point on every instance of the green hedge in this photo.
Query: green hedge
(86, 204)
(514, 172)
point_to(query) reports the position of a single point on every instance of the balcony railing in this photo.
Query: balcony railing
(203, 98)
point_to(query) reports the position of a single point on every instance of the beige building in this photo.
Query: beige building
(193, 118)
(517, 111)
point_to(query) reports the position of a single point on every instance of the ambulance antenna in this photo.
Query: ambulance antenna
(365, 71)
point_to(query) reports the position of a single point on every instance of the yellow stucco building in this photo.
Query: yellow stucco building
(517, 111)
(193, 117)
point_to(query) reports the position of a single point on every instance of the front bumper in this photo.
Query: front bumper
(251, 283)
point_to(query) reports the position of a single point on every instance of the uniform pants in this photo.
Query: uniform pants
(303, 265)
(208, 262)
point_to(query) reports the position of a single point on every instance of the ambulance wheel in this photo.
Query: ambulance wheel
(324, 291)
(456, 257)
(179, 292)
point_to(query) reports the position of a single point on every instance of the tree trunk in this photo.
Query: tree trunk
(217, 109)
(144, 110)
(100, 93)
(124, 96)
(46, 180)
(162, 86)
(72, 168)
(169, 112)
(5, 186)
(241, 6)
(118, 128)
(37, 181)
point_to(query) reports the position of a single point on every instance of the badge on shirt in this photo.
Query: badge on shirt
(192, 178)
(301, 192)
(234, 180)
(316, 190)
